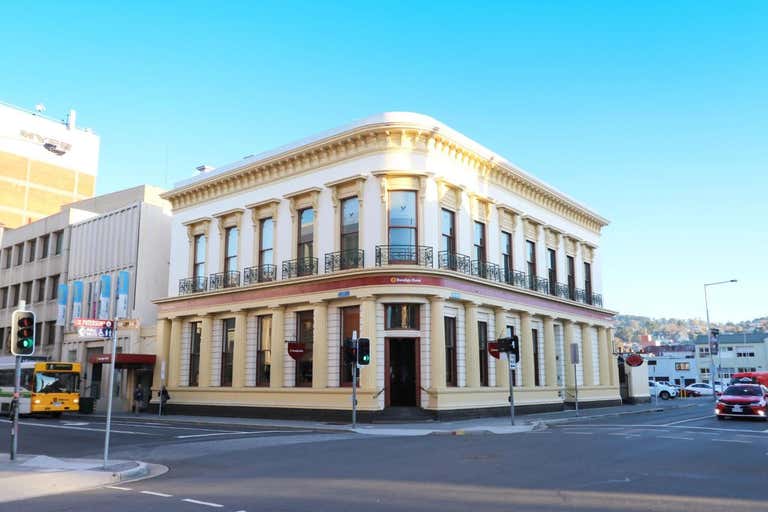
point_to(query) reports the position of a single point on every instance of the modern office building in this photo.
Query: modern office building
(740, 352)
(101, 257)
(44, 164)
(397, 229)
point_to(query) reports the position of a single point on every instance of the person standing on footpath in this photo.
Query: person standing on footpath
(138, 399)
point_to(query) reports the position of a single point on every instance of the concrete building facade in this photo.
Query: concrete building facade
(75, 264)
(44, 164)
(737, 353)
(397, 229)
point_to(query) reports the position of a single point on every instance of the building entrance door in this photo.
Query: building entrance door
(402, 384)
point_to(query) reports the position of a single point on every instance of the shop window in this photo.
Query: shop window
(401, 316)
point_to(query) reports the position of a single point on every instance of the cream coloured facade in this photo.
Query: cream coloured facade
(401, 230)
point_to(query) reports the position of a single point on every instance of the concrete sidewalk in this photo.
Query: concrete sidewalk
(493, 425)
(56, 476)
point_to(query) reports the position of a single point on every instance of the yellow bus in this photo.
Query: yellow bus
(46, 387)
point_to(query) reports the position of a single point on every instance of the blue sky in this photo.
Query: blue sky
(653, 113)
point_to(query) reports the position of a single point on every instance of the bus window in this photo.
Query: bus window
(26, 378)
(55, 382)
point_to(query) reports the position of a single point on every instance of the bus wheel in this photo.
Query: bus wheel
(56, 414)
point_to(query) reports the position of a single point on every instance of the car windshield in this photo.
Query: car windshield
(54, 382)
(743, 391)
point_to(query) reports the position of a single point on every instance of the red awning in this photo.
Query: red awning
(124, 360)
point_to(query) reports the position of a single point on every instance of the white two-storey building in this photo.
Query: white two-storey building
(398, 229)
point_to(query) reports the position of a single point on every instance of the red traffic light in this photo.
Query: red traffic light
(26, 321)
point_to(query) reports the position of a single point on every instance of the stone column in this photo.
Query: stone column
(239, 353)
(567, 340)
(471, 346)
(613, 371)
(277, 347)
(368, 373)
(206, 343)
(320, 346)
(437, 343)
(587, 361)
(526, 350)
(163, 348)
(605, 356)
(550, 358)
(502, 363)
(174, 353)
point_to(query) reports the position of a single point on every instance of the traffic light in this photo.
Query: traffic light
(349, 351)
(363, 351)
(23, 333)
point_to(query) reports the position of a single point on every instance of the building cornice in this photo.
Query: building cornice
(377, 137)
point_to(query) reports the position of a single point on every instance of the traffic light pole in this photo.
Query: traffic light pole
(512, 363)
(16, 397)
(109, 398)
(354, 385)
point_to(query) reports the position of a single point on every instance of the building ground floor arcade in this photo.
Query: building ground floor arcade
(227, 352)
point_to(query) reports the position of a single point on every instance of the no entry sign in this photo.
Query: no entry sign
(493, 349)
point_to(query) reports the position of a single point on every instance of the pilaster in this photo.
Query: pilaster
(567, 340)
(368, 330)
(502, 364)
(277, 348)
(550, 359)
(239, 353)
(437, 343)
(605, 356)
(174, 352)
(206, 343)
(526, 350)
(320, 346)
(587, 363)
(471, 346)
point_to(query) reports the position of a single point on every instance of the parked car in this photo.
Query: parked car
(748, 400)
(699, 389)
(661, 390)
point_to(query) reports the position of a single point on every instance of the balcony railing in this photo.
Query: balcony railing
(597, 300)
(222, 280)
(299, 267)
(192, 285)
(486, 270)
(564, 291)
(344, 260)
(542, 285)
(260, 274)
(453, 261)
(403, 255)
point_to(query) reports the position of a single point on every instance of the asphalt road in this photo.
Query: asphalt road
(677, 460)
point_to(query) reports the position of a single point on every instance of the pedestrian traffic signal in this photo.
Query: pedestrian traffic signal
(22, 333)
(363, 351)
(349, 351)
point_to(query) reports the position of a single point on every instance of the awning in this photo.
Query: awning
(124, 360)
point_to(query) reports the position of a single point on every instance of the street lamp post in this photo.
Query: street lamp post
(712, 367)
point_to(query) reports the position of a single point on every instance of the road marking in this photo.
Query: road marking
(732, 441)
(119, 488)
(677, 437)
(81, 428)
(206, 503)
(257, 432)
(161, 494)
(155, 425)
(75, 423)
(579, 433)
(686, 421)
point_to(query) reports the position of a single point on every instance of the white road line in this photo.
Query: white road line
(677, 437)
(206, 503)
(82, 428)
(686, 421)
(732, 441)
(256, 432)
(579, 433)
(118, 488)
(161, 494)
(154, 425)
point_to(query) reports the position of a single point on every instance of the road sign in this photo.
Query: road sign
(295, 350)
(93, 328)
(634, 360)
(512, 361)
(509, 345)
(493, 349)
(575, 359)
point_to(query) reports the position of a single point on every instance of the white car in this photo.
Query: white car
(702, 389)
(661, 390)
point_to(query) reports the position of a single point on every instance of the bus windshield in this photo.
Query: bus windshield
(55, 382)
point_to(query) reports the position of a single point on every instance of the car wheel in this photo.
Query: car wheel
(720, 417)
(664, 395)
